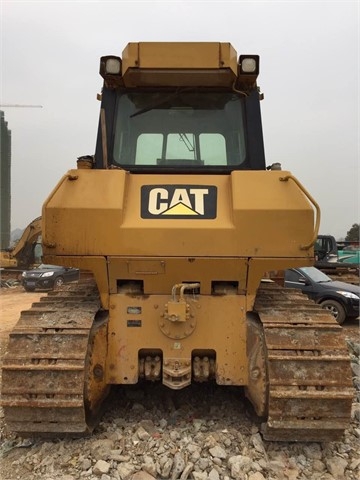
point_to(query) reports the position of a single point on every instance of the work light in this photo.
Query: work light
(249, 64)
(110, 65)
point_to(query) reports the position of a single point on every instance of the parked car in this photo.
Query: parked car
(340, 298)
(48, 277)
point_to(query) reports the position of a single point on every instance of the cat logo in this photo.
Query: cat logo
(196, 202)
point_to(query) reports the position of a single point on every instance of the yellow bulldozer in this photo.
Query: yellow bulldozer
(179, 219)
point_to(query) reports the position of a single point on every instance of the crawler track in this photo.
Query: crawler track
(308, 370)
(48, 363)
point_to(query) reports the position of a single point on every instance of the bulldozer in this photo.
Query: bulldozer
(179, 219)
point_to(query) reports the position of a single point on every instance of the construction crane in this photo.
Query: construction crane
(6, 105)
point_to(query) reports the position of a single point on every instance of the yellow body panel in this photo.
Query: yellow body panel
(179, 55)
(174, 63)
(274, 224)
(160, 275)
(211, 317)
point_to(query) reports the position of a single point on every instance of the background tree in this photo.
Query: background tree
(353, 234)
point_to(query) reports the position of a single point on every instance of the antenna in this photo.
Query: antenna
(10, 105)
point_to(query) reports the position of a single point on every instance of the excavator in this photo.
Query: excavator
(22, 256)
(339, 260)
(179, 218)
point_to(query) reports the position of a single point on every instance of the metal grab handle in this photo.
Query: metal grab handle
(317, 208)
(183, 287)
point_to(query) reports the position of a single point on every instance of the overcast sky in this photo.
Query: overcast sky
(309, 73)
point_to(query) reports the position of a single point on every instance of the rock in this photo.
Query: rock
(174, 435)
(188, 468)
(218, 452)
(191, 448)
(138, 407)
(86, 464)
(198, 423)
(163, 423)
(195, 456)
(313, 450)
(258, 444)
(199, 475)
(277, 466)
(214, 475)
(166, 469)
(355, 411)
(178, 466)
(256, 476)
(119, 458)
(210, 442)
(149, 465)
(239, 464)
(292, 473)
(141, 475)
(148, 425)
(217, 461)
(142, 434)
(354, 348)
(336, 467)
(203, 463)
(355, 464)
(355, 367)
(101, 449)
(125, 470)
(101, 467)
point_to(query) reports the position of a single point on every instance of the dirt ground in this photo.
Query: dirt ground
(12, 302)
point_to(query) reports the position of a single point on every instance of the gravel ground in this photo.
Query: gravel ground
(199, 433)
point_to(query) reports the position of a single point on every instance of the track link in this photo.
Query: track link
(48, 363)
(309, 381)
